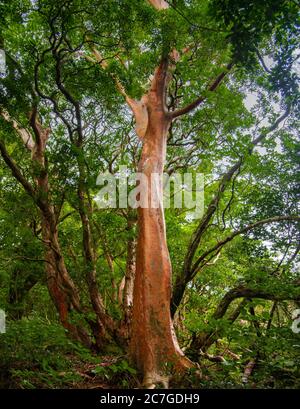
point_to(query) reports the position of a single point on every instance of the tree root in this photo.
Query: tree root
(152, 380)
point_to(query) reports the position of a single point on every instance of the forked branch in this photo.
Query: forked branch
(138, 108)
(22, 132)
(212, 87)
(243, 230)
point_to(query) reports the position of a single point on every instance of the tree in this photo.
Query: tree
(70, 71)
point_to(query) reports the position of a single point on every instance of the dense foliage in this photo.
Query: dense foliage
(235, 270)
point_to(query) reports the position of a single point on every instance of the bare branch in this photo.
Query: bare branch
(261, 60)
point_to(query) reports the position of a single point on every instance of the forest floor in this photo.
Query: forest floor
(107, 372)
(35, 354)
(79, 374)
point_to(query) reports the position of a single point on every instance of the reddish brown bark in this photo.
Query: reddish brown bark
(61, 287)
(153, 342)
(159, 4)
(154, 346)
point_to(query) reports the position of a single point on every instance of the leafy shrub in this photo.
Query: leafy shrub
(119, 372)
(38, 353)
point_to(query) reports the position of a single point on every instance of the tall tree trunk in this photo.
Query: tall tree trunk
(102, 321)
(154, 346)
(125, 292)
(61, 288)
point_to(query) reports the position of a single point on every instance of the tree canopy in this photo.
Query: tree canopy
(85, 86)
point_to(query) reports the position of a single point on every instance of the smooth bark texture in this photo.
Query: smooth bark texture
(153, 344)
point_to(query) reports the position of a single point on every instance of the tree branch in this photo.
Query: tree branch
(226, 178)
(138, 108)
(183, 278)
(229, 238)
(261, 60)
(22, 132)
(203, 340)
(244, 292)
(16, 171)
(201, 99)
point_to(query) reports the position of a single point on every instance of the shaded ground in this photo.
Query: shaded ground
(37, 354)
